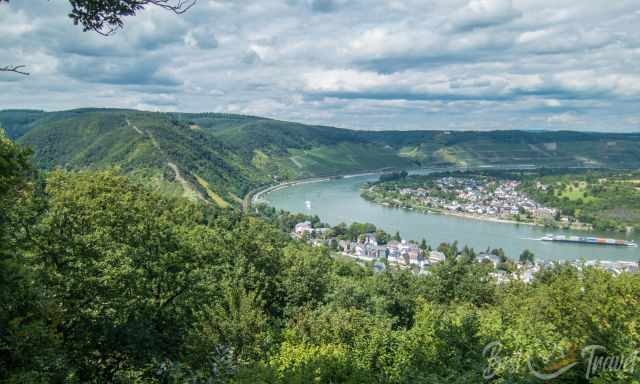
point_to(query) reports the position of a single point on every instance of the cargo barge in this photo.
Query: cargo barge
(589, 240)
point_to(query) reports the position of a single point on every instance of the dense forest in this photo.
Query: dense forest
(105, 279)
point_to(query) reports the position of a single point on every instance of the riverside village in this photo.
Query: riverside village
(380, 254)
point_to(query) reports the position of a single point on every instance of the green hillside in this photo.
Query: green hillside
(541, 148)
(220, 157)
(153, 146)
(17, 122)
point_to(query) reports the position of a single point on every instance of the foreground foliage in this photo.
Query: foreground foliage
(105, 280)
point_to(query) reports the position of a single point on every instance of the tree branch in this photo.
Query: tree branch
(179, 7)
(107, 17)
(14, 68)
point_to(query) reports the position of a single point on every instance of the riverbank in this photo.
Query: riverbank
(338, 201)
(457, 214)
(465, 215)
(498, 196)
(250, 197)
(254, 195)
(257, 195)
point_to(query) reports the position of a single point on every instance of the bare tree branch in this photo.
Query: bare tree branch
(14, 68)
(179, 7)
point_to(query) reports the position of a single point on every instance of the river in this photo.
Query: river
(338, 200)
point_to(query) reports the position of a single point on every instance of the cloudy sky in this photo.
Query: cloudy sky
(364, 64)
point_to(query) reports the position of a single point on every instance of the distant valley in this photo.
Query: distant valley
(220, 157)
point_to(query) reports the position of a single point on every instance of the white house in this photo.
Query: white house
(302, 228)
(436, 257)
(489, 258)
(370, 238)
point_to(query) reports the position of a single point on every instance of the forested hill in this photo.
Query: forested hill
(219, 157)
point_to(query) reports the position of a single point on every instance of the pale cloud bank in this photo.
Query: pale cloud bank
(375, 64)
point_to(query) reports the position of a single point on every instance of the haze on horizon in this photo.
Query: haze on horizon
(374, 64)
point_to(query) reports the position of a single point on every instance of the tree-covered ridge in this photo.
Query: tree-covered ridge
(220, 157)
(16, 122)
(150, 145)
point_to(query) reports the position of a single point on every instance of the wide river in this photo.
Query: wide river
(339, 200)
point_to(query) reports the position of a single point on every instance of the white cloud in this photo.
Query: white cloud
(203, 38)
(397, 64)
(562, 118)
(635, 120)
(483, 13)
(346, 80)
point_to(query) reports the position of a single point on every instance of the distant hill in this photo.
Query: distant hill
(220, 157)
(16, 122)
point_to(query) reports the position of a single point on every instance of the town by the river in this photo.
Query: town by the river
(339, 200)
